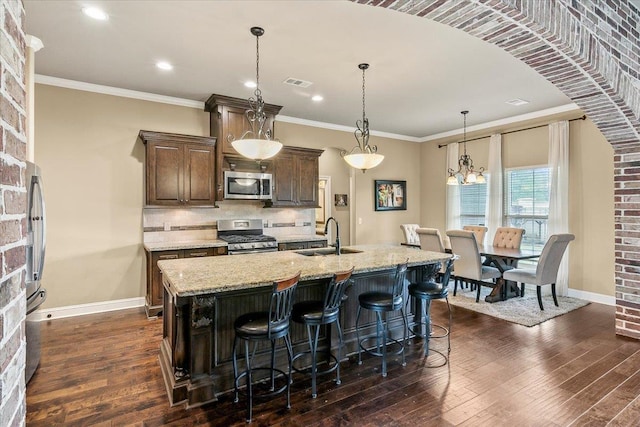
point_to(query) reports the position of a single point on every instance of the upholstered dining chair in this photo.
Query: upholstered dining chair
(479, 230)
(546, 272)
(410, 235)
(469, 265)
(431, 240)
(509, 238)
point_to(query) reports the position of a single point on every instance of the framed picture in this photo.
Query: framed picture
(390, 195)
(341, 200)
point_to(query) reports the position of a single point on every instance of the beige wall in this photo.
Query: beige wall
(402, 162)
(591, 213)
(93, 168)
(92, 165)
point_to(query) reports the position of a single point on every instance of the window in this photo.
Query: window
(526, 203)
(473, 204)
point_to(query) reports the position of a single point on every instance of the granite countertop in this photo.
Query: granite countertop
(301, 238)
(185, 244)
(210, 275)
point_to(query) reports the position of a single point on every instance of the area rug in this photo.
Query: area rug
(523, 311)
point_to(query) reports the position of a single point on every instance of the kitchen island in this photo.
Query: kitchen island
(203, 297)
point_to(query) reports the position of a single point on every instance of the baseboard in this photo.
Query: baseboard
(593, 297)
(82, 309)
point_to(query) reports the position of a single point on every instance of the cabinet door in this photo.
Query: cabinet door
(154, 289)
(285, 179)
(165, 168)
(308, 181)
(234, 123)
(199, 188)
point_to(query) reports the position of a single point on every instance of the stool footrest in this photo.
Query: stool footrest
(270, 393)
(390, 341)
(307, 370)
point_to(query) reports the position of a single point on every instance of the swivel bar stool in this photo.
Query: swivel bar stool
(425, 292)
(314, 314)
(381, 303)
(266, 326)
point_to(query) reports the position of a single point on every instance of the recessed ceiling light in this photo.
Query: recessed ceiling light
(95, 13)
(250, 85)
(517, 102)
(164, 65)
(317, 98)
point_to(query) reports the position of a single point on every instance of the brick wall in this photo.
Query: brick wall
(12, 213)
(590, 49)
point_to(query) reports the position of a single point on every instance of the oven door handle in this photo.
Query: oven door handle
(257, 251)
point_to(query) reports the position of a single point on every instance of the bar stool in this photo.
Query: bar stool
(425, 292)
(266, 326)
(314, 314)
(381, 303)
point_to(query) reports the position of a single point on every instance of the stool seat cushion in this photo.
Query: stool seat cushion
(256, 325)
(311, 312)
(424, 290)
(380, 301)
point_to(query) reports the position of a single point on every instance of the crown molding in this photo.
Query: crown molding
(506, 121)
(331, 126)
(125, 93)
(145, 96)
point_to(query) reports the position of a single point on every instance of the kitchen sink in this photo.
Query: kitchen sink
(327, 251)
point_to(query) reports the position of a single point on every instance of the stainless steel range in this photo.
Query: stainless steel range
(244, 236)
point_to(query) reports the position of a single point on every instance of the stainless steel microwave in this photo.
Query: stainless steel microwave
(247, 185)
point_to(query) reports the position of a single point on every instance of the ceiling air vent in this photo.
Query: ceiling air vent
(297, 82)
(517, 102)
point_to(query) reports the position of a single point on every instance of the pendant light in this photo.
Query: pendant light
(256, 143)
(363, 156)
(465, 173)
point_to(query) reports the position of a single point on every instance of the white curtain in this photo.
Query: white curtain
(559, 194)
(453, 191)
(493, 218)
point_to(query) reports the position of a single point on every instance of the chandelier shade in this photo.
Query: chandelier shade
(363, 156)
(256, 143)
(466, 173)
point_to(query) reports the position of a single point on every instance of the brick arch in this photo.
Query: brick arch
(590, 50)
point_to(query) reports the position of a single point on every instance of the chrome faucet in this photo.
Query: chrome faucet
(326, 229)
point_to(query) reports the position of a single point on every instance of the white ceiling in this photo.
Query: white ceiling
(422, 73)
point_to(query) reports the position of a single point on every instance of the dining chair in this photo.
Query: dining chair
(431, 240)
(410, 235)
(479, 230)
(546, 272)
(469, 265)
(509, 238)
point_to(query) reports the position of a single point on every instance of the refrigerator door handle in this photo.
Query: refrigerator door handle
(37, 194)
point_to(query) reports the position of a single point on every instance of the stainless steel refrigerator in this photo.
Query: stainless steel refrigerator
(36, 243)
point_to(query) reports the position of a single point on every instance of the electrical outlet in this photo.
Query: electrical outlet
(359, 221)
(167, 226)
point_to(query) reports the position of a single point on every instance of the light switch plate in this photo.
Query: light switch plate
(299, 223)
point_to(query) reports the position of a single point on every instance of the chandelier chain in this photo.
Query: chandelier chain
(257, 91)
(363, 86)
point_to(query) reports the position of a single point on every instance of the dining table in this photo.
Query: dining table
(505, 259)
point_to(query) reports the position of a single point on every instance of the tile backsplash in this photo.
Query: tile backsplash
(170, 224)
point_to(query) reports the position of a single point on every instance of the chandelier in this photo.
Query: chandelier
(256, 143)
(363, 156)
(465, 173)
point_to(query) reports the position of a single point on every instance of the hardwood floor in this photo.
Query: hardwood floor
(572, 370)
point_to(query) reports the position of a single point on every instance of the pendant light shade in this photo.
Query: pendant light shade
(256, 143)
(363, 156)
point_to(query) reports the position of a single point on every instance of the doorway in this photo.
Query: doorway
(323, 212)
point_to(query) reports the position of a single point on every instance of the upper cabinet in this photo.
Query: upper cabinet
(295, 176)
(179, 169)
(228, 122)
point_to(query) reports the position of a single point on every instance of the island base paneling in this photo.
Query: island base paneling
(197, 345)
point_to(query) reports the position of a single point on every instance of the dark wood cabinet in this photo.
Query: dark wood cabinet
(294, 246)
(295, 176)
(153, 300)
(228, 122)
(179, 169)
